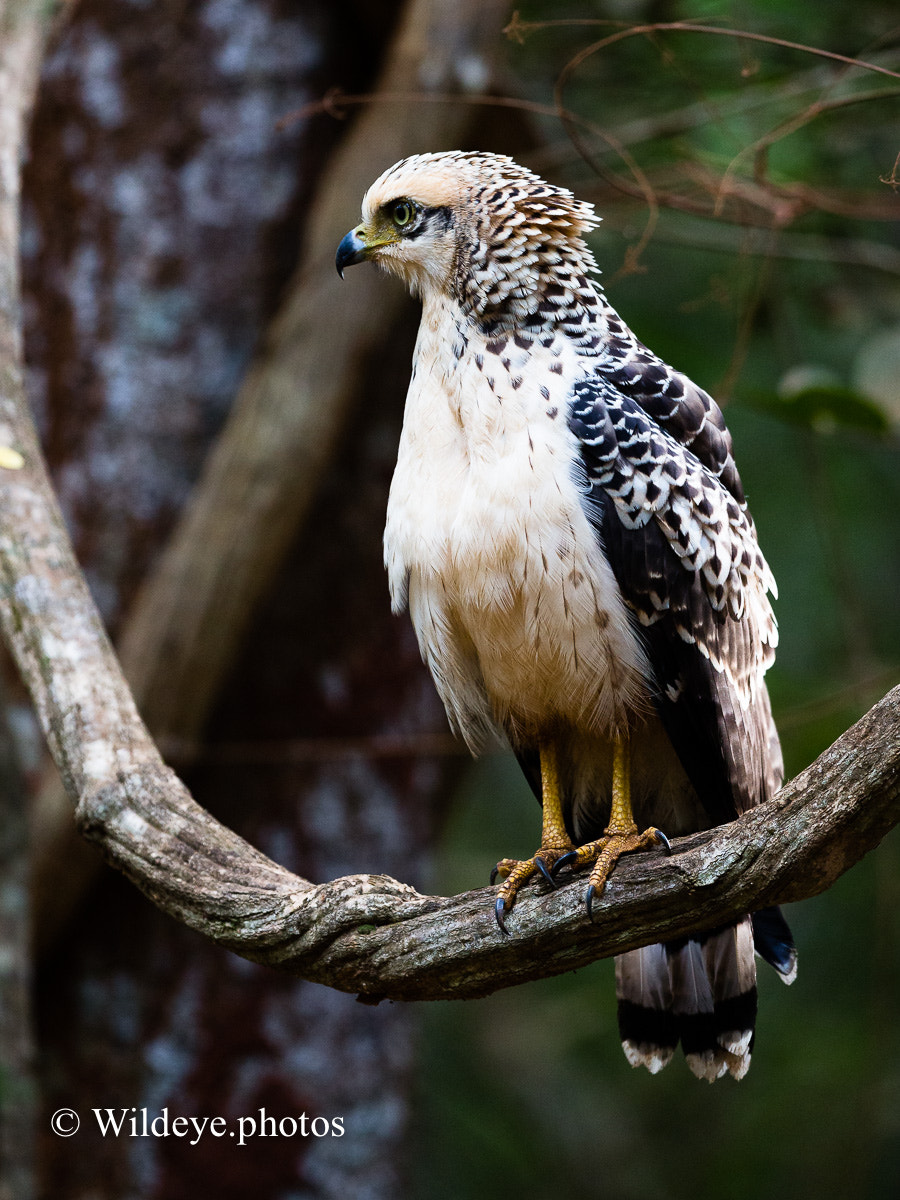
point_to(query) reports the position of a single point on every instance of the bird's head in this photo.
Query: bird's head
(475, 227)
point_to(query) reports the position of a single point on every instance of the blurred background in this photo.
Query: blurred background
(184, 193)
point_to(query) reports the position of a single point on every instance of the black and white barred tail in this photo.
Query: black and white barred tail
(700, 991)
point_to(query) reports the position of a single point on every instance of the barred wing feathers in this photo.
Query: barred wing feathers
(683, 549)
(665, 498)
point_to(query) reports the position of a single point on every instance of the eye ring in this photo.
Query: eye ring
(402, 213)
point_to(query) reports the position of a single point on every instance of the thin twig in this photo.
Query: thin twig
(517, 28)
(760, 205)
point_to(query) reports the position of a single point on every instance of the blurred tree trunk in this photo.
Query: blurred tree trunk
(161, 223)
(17, 1083)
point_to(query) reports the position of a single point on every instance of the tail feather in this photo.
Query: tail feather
(775, 942)
(715, 999)
(647, 1023)
(730, 962)
(700, 991)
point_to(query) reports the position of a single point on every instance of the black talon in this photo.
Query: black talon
(542, 867)
(589, 901)
(499, 912)
(562, 862)
(494, 874)
(663, 841)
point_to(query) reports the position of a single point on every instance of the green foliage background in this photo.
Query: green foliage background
(798, 331)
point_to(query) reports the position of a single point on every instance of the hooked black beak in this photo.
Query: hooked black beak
(351, 250)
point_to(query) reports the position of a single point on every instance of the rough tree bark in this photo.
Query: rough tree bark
(21, 39)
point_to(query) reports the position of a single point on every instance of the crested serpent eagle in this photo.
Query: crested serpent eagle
(568, 529)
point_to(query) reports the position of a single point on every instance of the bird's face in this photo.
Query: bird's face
(481, 230)
(410, 223)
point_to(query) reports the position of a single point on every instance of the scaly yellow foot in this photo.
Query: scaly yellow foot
(620, 837)
(605, 852)
(555, 842)
(514, 872)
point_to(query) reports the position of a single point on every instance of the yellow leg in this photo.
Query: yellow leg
(621, 818)
(555, 842)
(553, 823)
(621, 835)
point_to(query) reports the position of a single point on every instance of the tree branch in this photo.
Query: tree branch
(371, 934)
(22, 29)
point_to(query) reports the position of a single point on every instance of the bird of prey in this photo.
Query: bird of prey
(568, 529)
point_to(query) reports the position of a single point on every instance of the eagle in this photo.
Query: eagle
(568, 530)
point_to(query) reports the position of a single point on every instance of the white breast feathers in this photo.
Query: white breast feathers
(515, 607)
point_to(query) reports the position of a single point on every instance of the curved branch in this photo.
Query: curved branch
(370, 934)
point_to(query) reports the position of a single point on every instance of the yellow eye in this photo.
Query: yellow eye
(402, 213)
